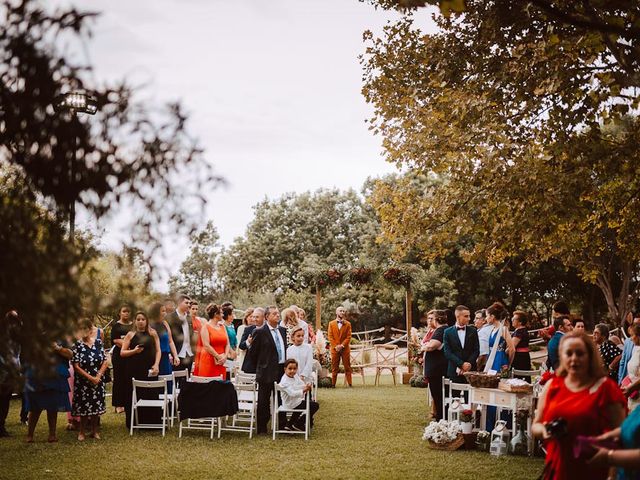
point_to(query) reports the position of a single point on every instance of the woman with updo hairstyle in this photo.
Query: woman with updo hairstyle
(520, 338)
(435, 363)
(157, 314)
(496, 314)
(579, 401)
(291, 321)
(215, 345)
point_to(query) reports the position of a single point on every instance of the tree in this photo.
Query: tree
(505, 107)
(197, 275)
(128, 154)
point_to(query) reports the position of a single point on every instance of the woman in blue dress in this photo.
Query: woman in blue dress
(169, 354)
(496, 315)
(48, 389)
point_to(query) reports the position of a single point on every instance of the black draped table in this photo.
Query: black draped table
(206, 400)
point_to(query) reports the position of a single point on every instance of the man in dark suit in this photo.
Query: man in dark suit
(247, 337)
(461, 346)
(268, 351)
(181, 326)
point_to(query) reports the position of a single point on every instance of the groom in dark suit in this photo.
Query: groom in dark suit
(461, 346)
(268, 353)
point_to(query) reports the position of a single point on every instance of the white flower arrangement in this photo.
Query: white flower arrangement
(442, 432)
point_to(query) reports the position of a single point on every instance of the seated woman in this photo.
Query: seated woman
(293, 396)
(141, 351)
(302, 353)
(215, 345)
(90, 364)
(579, 400)
(48, 389)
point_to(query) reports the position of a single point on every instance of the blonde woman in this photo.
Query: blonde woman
(290, 321)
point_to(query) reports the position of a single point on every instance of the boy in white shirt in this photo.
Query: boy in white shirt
(302, 353)
(293, 395)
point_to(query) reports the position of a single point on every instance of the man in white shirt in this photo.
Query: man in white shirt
(484, 332)
(181, 325)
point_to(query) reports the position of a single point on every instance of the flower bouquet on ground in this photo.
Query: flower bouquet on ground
(443, 435)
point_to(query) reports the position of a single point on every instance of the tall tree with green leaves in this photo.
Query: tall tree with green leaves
(524, 118)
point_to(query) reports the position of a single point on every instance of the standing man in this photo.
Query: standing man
(461, 346)
(484, 332)
(247, 337)
(267, 352)
(339, 333)
(562, 325)
(181, 325)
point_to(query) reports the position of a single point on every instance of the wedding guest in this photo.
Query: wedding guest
(247, 337)
(9, 364)
(484, 331)
(293, 395)
(118, 332)
(609, 353)
(627, 456)
(182, 332)
(215, 345)
(302, 353)
(48, 389)
(627, 351)
(302, 316)
(339, 333)
(579, 400)
(141, 349)
(90, 363)
(562, 326)
(461, 346)
(168, 354)
(435, 363)
(169, 305)
(196, 324)
(227, 318)
(520, 339)
(559, 309)
(497, 314)
(633, 369)
(578, 324)
(429, 328)
(247, 320)
(290, 321)
(267, 353)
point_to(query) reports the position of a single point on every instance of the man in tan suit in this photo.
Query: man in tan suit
(339, 338)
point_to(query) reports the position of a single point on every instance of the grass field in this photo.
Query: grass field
(364, 433)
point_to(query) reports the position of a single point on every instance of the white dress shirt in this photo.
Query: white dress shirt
(461, 334)
(186, 344)
(304, 356)
(292, 396)
(483, 337)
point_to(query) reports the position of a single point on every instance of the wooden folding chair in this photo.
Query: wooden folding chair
(386, 359)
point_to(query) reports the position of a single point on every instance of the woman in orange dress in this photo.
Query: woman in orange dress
(215, 345)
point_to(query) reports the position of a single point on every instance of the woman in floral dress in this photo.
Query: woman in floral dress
(90, 363)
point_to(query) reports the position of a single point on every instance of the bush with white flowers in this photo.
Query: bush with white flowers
(442, 432)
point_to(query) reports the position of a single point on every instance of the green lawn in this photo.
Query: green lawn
(370, 432)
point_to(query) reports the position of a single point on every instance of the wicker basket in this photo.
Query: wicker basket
(453, 445)
(482, 380)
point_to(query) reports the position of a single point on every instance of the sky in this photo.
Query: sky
(272, 88)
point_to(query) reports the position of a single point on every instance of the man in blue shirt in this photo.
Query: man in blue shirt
(562, 325)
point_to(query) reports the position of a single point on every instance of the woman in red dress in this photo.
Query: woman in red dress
(585, 400)
(215, 345)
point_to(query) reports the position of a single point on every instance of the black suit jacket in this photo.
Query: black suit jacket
(456, 355)
(264, 355)
(247, 364)
(176, 331)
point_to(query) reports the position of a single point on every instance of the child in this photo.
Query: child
(293, 395)
(302, 353)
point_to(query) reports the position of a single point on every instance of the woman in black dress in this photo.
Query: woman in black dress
(435, 363)
(141, 349)
(118, 332)
(520, 337)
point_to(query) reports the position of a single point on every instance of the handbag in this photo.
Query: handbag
(626, 381)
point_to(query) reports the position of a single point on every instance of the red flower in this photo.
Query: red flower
(546, 376)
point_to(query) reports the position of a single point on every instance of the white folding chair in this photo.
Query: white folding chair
(170, 397)
(244, 378)
(282, 409)
(209, 423)
(314, 384)
(137, 403)
(245, 418)
(179, 376)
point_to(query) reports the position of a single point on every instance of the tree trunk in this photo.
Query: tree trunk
(621, 304)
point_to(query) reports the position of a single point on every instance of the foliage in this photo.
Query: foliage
(197, 274)
(502, 109)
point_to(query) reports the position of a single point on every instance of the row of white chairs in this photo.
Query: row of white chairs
(244, 420)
